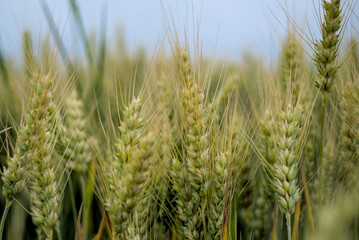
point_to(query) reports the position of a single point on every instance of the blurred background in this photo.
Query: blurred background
(228, 28)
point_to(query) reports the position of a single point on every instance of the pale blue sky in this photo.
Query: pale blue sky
(229, 27)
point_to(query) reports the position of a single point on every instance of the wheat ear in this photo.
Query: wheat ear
(287, 163)
(130, 170)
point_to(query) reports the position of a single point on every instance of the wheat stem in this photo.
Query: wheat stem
(58, 233)
(320, 165)
(307, 200)
(289, 230)
(356, 224)
(296, 221)
(85, 202)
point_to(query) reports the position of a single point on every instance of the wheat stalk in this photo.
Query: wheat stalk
(325, 59)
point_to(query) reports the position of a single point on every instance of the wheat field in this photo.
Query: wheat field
(177, 146)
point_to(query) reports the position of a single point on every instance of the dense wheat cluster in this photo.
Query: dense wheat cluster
(176, 147)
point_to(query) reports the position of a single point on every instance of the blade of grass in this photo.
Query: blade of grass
(3, 68)
(101, 228)
(72, 199)
(109, 224)
(307, 199)
(4, 215)
(78, 226)
(103, 46)
(56, 36)
(320, 163)
(89, 193)
(98, 75)
(233, 221)
(81, 28)
(274, 231)
(84, 202)
(4, 130)
(280, 224)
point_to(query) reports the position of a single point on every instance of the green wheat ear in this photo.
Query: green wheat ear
(72, 141)
(348, 161)
(44, 189)
(129, 170)
(32, 160)
(193, 171)
(286, 166)
(291, 67)
(326, 50)
(141, 222)
(217, 196)
(258, 216)
(31, 130)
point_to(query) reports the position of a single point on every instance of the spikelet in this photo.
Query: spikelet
(226, 94)
(309, 156)
(31, 130)
(330, 170)
(29, 58)
(268, 134)
(216, 109)
(165, 98)
(44, 194)
(181, 190)
(126, 146)
(309, 153)
(131, 184)
(287, 162)
(258, 217)
(326, 50)
(161, 194)
(132, 234)
(348, 160)
(228, 90)
(239, 166)
(192, 199)
(268, 149)
(291, 66)
(217, 197)
(146, 211)
(244, 188)
(238, 157)
(72, 142)
(130, 170)
(131, 130)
